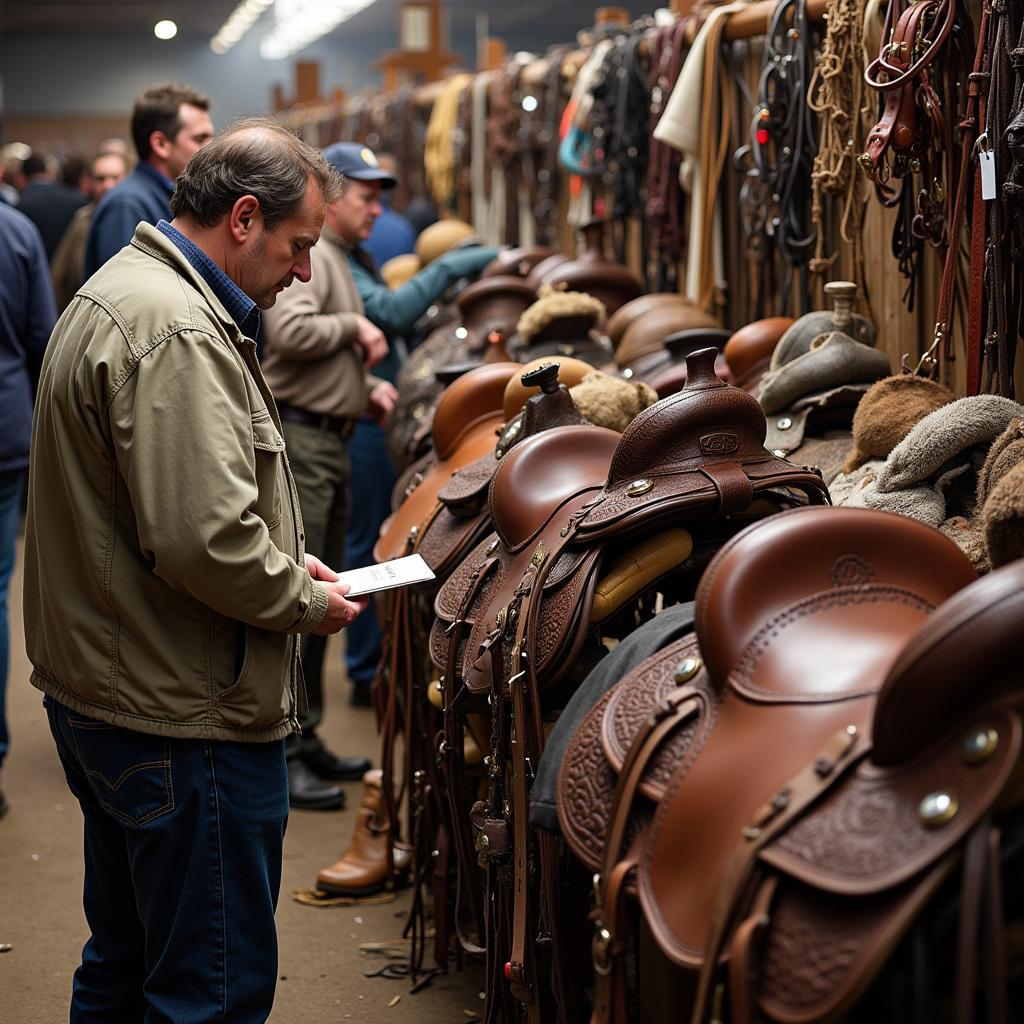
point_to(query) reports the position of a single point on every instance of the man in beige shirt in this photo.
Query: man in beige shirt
(318, 349)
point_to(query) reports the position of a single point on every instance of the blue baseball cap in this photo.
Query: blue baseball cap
(358, 162)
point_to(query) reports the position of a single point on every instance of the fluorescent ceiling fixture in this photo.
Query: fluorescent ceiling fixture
(242, 18)
(297, 23)
(165, 29)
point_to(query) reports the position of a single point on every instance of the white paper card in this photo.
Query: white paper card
(399, 572)
(989, 189)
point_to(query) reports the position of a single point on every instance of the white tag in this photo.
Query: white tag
(987, 159)
(399, 572)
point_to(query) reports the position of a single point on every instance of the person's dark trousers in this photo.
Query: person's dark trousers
(12, 483)
(320, 466)
(183, 843)
(373, 478)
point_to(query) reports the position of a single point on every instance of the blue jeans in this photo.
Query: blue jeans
(183, 844)
(371, 478)
(11, 484)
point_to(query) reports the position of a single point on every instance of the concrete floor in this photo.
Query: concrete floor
(321, 972)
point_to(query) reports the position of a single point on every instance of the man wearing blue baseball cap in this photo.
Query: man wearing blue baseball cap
(320, 344)
(395, 312)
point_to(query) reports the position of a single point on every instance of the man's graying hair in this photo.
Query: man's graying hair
(256, 157)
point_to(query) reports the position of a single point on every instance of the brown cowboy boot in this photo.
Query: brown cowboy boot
(363, 867)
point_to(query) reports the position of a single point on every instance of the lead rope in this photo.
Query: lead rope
(837, 95)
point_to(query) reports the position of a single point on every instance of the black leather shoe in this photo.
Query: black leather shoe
(308, 793)
(326, 765)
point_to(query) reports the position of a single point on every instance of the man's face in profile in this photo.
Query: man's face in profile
(195, 132)
(276, 258)
(353, 215)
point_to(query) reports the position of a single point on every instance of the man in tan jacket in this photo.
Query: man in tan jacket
(319, 347)
(166, 584)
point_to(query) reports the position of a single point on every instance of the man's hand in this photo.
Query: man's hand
(341, 612)
(372, 341)
(382, 402)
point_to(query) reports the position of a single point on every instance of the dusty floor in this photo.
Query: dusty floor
(321, 974)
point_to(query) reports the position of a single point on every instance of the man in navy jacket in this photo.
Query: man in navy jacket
(169, 124)
(27, 316)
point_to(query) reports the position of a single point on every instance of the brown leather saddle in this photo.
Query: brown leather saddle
(569, 508)
(798, 621)
(492, 304)
(465, 428)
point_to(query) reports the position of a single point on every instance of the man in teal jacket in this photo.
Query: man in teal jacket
(395, 313)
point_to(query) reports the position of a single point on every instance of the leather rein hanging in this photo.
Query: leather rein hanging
(780, 155)
(920, 73)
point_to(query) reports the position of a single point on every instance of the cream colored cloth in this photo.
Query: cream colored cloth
(438, 154)
(681, 128)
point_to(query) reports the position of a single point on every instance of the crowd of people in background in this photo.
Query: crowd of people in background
(137, 295)
(73, 213)
(137, 288)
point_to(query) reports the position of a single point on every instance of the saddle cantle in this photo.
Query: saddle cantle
(798, 619)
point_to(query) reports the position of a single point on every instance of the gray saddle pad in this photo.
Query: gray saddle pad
(671, 625)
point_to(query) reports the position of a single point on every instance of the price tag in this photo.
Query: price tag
(987, 160)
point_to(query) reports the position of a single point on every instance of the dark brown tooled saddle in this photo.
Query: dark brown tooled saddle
(571, 509)
(679, 784)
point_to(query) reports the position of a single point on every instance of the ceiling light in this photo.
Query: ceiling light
(165, 29)
(298, 23)
(242, 18)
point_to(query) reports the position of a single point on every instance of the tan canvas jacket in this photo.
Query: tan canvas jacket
(312, 359)
(164, 577)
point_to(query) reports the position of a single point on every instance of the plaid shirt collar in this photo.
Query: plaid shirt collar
(241, 308)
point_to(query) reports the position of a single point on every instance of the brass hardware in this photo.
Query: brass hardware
(687, 669)
(938, 808)
(780, 453)
(980, 745)
(484, 841)
(492, 547)
(600, 948)
(785, 423)
(638, 487)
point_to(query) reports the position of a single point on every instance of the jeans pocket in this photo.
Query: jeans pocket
(130, 772)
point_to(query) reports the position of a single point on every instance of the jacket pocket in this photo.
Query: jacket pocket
(259, 698)
(269, 448)
(130, 772)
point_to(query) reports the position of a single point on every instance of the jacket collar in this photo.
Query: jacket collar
(158, 245)
(147, 170)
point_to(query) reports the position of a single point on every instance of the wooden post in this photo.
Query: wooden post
(494, 55)
(277, 98)
(611, 16)
(307, 81)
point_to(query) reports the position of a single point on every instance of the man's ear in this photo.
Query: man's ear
(160, 146)
(245, 219)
